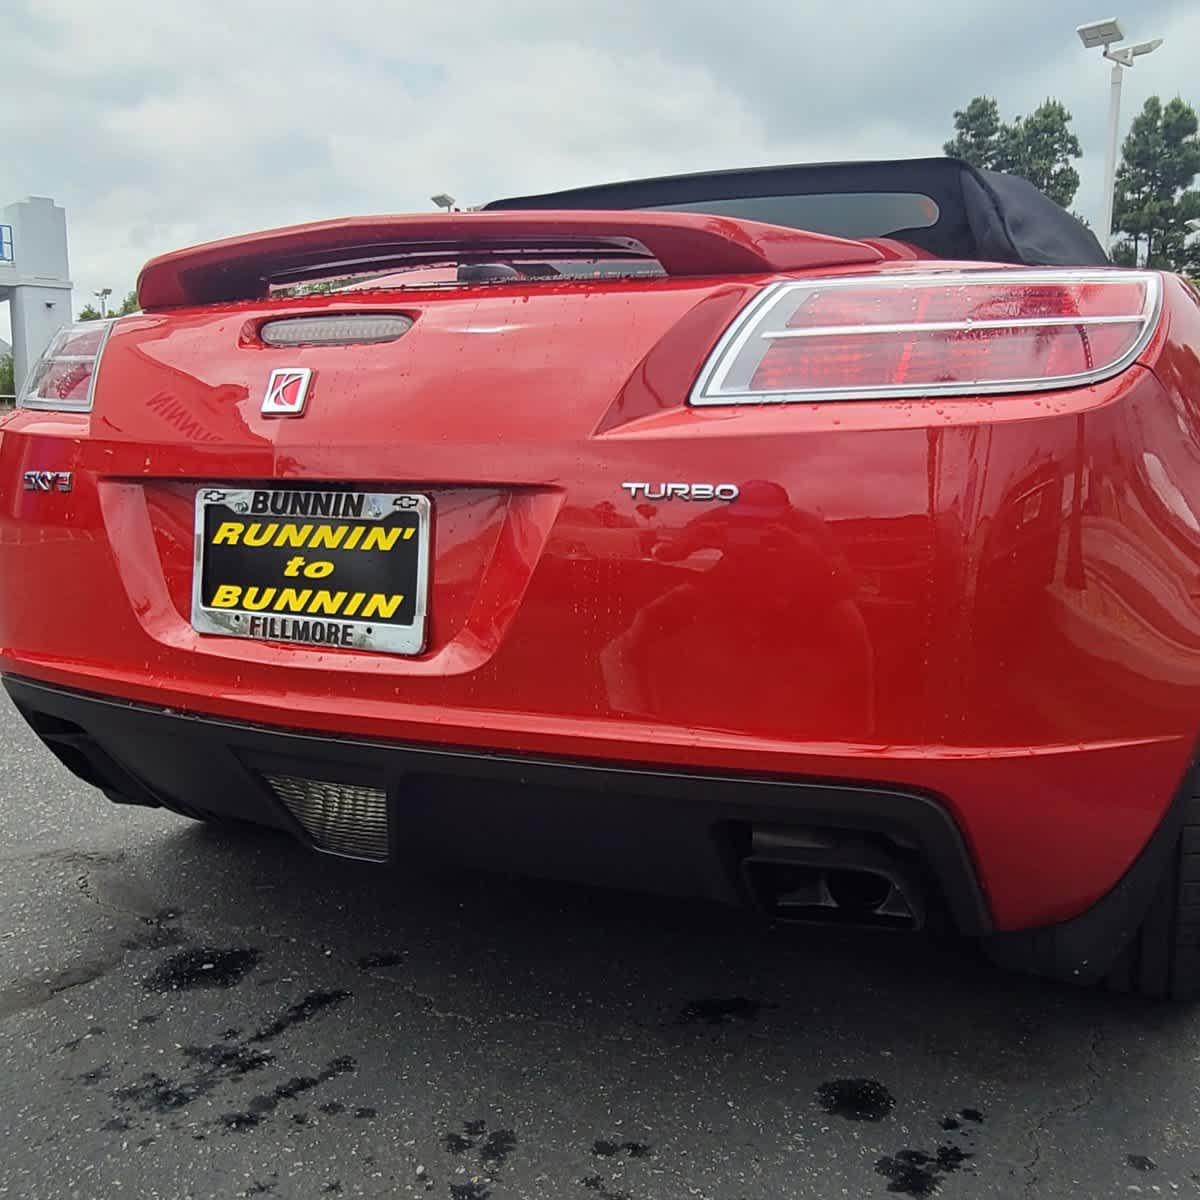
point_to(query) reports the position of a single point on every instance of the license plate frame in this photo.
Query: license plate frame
(368, 625)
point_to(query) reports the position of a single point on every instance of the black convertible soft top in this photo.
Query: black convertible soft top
(942, 205)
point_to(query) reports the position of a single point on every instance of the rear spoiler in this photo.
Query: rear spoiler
(245, 268)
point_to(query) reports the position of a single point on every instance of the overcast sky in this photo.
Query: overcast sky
(160, 125)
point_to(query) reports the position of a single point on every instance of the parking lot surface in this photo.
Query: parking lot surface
(193, 1013)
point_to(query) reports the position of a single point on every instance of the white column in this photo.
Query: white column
(37, 279)
(37, 313)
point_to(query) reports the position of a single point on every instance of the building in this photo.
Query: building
(34, 276)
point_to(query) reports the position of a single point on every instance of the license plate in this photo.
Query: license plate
(320, 567)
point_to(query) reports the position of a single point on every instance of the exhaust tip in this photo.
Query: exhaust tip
(830, 881)
(859, 891)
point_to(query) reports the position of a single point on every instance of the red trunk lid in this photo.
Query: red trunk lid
(489, 405)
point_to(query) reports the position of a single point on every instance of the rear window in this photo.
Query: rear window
(841, 214)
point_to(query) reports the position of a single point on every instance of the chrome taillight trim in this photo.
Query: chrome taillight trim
(41, 403)
(946, 326)
(709, 391)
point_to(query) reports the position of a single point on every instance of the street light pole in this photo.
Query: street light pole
(1105, 35)
(1110, 151)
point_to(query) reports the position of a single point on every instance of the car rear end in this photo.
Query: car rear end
(743, 564)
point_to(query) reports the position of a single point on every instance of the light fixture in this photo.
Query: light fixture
(1100, 33)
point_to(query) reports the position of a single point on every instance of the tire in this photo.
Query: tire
(1162, 959)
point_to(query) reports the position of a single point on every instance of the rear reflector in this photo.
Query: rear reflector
(349, 329)
(959, 333)
(64, 378)
(342, 818)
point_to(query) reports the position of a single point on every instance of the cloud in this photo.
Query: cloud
(162, 125)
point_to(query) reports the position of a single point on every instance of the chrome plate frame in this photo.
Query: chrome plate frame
(368, 635)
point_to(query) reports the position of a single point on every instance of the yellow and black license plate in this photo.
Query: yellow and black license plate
(319, 566)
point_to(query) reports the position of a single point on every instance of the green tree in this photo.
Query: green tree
(978, 132)
(7, 383)
(89, 312)
(1154, 197)
(1039, 147)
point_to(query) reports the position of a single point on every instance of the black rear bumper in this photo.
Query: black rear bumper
(637, 827)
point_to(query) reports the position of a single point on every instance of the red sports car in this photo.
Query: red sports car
(821, 537)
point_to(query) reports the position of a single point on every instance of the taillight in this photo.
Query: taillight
(944, 334)
(64, 378)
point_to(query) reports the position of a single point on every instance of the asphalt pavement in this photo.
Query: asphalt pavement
(192, 1013)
